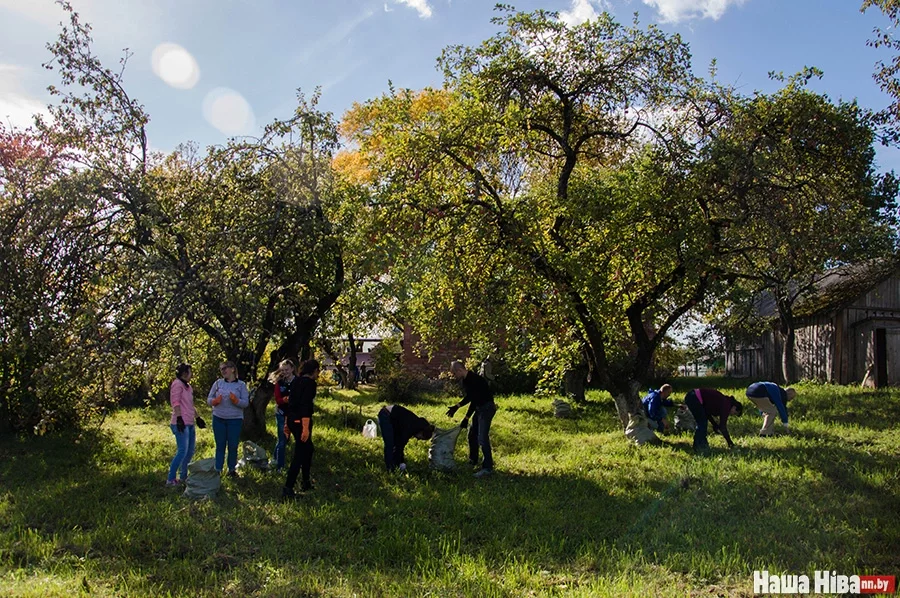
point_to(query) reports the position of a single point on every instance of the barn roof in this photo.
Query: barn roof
(837, 288)
(842, 286)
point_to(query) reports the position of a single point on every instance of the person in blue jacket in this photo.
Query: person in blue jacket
(655, 403)
(772, 400)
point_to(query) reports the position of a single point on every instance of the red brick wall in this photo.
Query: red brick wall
(415, 356)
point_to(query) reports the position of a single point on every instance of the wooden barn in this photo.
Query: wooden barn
(848, 331)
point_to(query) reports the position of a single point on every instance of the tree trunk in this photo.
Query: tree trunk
(574, 381)
(254, 427)
(628, 402)
(352, 381)
(787, 356)
(261, 395)
(788, 336)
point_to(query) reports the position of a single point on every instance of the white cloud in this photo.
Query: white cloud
(229, 112)
(334, 36)
(387, 8)
(421, 7)
(45, 12)
(582, 11)
(17, 107)
(132, 20)
(175, 65)
(673, 11)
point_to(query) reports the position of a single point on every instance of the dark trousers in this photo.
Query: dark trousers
(303, 453)
(387, 435)
(699, 413)
(480, 435)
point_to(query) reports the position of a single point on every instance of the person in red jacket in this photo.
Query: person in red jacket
(298, 412)
(710, 405)
(281, 379)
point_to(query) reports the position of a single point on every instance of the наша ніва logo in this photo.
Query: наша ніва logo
(823, 582)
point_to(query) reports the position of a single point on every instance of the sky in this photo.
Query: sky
(206, 70)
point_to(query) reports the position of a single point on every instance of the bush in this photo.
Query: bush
(511, 381)
(404, 386)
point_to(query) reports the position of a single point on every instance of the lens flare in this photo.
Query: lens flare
(175, 65)
(228, 111)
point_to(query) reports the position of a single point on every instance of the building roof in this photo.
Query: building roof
(837, 288)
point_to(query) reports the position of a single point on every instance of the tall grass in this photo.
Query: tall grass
(573, 510)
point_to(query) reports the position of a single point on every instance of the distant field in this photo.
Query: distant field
(573, 509)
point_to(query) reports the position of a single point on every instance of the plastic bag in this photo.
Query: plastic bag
(203, 480)
(684, 420)
(370, 430)
(443, 446)
(254, 455)
(562, 409)
(639, 431)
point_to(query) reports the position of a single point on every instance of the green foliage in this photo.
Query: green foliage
(132, 253)
(398, 384)
(501, 201)
(386, 355)
(402, 386)
(54, 340)
(886, 72)
(572, 510)
(800, 196)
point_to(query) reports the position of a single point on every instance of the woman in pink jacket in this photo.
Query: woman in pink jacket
(181, 396)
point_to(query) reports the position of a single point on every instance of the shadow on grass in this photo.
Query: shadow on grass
(818, 499)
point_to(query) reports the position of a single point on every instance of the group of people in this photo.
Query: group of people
(708, 406)
(227, 397)
(295, 391)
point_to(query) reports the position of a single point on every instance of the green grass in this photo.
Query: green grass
(572, 511)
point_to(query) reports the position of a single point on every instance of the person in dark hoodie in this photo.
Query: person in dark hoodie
(709, 405)
(398, 425)
(298, 412)
(480, 398)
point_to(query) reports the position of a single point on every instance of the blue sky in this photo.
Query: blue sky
(226, 67)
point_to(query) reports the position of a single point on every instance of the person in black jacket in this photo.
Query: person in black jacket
(399, 424)
(478, 395)
(298, 413)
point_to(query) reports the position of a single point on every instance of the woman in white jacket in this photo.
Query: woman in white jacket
(228, 397)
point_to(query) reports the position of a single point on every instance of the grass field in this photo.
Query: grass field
(573, 510)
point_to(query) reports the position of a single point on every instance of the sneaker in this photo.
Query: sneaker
(172, 483)
(232, 473)
(306, 486)
(288, 494)
(484, 473)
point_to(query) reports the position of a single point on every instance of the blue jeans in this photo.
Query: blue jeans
(479, 435)
(387, 434)
(658, 423)
(281, 442)
(699, 412)
(227, 431)
(185, 441)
